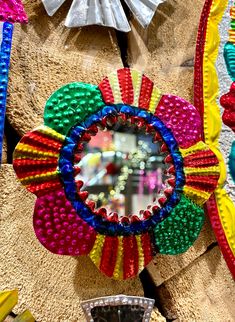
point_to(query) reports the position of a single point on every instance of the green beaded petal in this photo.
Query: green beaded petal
(178, 232)
(70, 105)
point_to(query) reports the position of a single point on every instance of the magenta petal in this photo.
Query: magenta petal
(12, 11)
(59, 228)
(182, 118)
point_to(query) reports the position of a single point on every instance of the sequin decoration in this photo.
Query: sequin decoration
(67, 222)
(219, 207)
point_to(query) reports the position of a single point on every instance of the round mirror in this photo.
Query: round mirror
(123, 169)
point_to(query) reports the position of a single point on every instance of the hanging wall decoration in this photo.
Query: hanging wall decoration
(106, 13)
(121, 308)
(46, 161)
(219, 207)
(11, 11)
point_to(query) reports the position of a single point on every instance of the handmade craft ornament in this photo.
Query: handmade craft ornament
(104, 12)
(11, 11)
(118, 308)
(67, 223)
(220, 207)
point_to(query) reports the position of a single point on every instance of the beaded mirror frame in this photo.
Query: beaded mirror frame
(66, 223)
(47, 161)
(133, 307)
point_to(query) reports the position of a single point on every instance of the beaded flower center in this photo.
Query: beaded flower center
(111, 225)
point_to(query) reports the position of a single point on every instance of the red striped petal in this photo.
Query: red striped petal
(109, 255)
(106, 91)
(147, 248)
(145, 92)
(126, 86)
(131, 257)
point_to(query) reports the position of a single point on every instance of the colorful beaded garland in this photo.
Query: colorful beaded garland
(11, 11)
(220, 207)
(66, 222)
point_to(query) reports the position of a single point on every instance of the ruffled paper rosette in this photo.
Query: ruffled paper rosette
(47, 162)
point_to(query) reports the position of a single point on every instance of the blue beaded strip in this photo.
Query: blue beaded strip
(5, 52)
(99, 223)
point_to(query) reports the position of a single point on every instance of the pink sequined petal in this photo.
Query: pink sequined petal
(59, 228)
(12, 11)
(182, 118)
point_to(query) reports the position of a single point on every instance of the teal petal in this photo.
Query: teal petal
(232, 161)
(229, 56)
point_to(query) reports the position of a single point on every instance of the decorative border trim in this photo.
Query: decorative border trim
(5, 52)
(66, 170)
(146, 303)
(220, 207)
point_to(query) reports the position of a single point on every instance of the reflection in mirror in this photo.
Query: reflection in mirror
(123, 170)
(121, 313)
